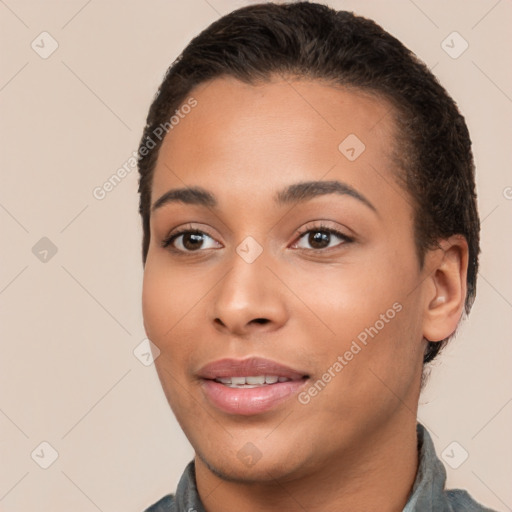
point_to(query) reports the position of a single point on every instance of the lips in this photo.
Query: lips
(246, 368)
(249, 386)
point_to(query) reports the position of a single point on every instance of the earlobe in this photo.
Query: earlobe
(446, 288)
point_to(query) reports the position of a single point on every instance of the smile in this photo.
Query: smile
(251, 382)
(249, 386)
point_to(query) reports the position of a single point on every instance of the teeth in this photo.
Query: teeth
(251, 381)
(255, 380)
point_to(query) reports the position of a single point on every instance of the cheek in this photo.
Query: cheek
(155, 305)
(352, 297)
(173, 307)
(167, 302)
(372, 307)
(166, 298)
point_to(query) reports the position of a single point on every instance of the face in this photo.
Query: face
(255, 271)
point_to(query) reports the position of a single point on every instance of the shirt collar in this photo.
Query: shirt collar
(428, 488)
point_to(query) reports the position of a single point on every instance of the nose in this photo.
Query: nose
(249, 299)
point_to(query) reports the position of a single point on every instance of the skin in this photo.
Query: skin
(353, 446)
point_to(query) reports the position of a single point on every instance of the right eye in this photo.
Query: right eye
(188, 240)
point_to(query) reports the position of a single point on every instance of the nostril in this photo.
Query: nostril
(261, 320)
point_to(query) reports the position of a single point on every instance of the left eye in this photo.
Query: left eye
(321, 239)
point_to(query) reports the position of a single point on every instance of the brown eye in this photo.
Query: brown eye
(190, 241)
(321, 238)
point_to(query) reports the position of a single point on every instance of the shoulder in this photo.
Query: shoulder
(429, 490)
(461, 501)
(166, 504)
(186, 497)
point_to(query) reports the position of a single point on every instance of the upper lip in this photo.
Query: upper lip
(252, 366)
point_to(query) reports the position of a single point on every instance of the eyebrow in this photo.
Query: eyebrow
(296, 193)
(188, 195)
(306, 190)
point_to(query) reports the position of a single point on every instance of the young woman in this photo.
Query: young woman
(311, 240)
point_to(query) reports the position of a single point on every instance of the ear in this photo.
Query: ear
(446, 287)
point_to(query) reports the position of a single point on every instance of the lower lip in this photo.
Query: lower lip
(248, 401)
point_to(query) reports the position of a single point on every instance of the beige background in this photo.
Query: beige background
(69, 326)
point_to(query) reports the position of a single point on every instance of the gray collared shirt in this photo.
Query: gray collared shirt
(428, 493)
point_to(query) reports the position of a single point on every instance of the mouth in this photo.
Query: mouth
(249, 386)
(251, 382)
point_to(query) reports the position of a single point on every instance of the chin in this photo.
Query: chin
(250, 465)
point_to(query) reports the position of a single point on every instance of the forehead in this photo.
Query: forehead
(259, 137)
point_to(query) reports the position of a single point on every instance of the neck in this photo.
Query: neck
(379, 475)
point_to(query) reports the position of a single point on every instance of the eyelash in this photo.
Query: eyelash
(167, 243)
(324, 229)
